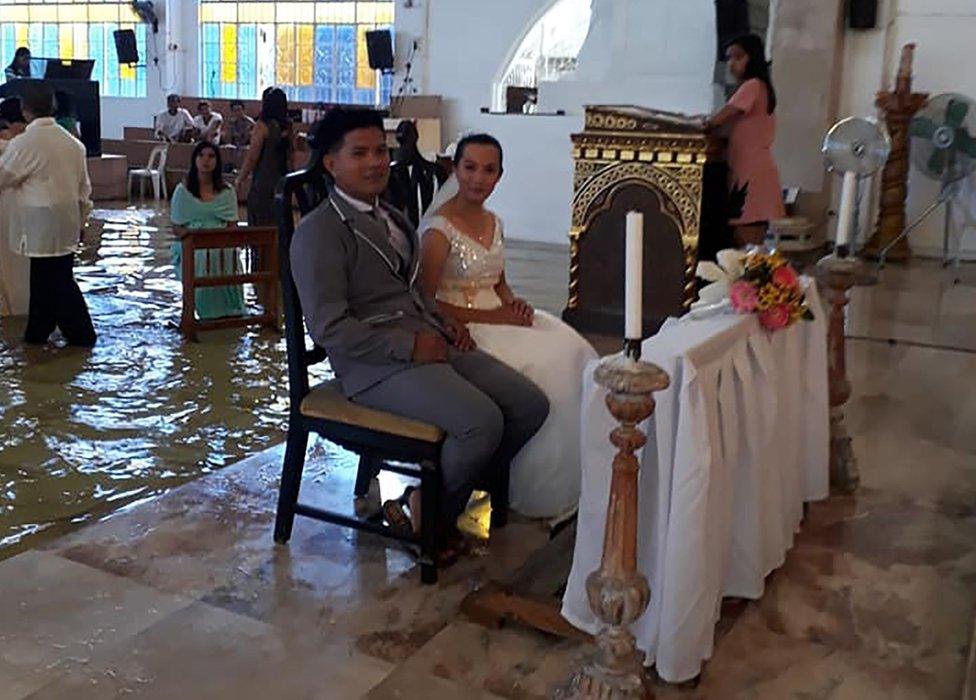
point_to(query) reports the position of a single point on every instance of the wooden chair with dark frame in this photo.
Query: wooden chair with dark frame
(383, 441)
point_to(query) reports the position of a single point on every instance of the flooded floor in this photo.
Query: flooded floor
(874, 601)
(84, 433)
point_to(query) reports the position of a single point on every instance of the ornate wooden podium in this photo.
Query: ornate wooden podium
(659, 163)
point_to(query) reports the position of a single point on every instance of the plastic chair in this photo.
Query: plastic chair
(155, 172)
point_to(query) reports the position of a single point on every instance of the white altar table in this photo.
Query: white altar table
(736, 445)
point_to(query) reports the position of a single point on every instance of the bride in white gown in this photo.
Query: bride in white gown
(14, 268)
(464, 269)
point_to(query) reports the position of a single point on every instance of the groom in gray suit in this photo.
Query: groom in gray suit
(355, 262)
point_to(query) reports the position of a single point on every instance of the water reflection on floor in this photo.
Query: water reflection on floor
(84, 433)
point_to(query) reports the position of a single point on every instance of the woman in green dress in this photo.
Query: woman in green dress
(204, 200)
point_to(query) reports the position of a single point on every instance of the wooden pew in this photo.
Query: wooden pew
(260, 269)
(108, 175)
(177, 157)
(138, 133)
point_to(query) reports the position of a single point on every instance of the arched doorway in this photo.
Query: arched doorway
(547, 51)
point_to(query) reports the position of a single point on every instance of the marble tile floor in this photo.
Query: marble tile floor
(186, 595)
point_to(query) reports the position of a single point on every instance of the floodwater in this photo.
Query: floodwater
(83, 433)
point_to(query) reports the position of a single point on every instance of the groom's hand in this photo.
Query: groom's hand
(429, 347)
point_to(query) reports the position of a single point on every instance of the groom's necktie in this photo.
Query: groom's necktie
(396, 237)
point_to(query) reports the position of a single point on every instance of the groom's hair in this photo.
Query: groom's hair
(327, 136)
(479, 140)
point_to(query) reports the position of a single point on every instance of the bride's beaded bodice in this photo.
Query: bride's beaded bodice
(471, 270)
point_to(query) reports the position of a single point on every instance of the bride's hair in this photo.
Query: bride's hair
(479, 140)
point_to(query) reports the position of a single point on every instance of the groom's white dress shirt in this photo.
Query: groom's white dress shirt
(398, 239)
(45, 189)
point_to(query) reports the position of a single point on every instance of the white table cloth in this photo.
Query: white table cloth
(736, 445)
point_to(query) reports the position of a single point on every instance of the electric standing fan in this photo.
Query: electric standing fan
(856, 148)
(943, 148)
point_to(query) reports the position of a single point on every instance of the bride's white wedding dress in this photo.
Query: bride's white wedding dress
(14, 270)
(545, 476)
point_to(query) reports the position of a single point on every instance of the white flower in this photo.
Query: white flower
(721, 276)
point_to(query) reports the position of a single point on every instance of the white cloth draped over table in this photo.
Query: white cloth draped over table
(737, 443)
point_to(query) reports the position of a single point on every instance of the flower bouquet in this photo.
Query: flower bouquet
(756, 282)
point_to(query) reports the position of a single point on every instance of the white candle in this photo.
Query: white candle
(845, 217)
(634, 277)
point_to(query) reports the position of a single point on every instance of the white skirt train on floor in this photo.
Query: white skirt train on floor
(545, 476)
(14, 282)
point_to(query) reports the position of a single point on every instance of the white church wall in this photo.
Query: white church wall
(653, 53)
(174, 73)
(465, 44)
(806, 56)
(943, 31)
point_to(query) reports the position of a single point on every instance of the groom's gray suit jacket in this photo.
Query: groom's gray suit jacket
(360, 303)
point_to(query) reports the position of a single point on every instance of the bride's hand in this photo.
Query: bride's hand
(508, 316)
(523, 309)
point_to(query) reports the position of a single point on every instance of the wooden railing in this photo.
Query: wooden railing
(256, 247)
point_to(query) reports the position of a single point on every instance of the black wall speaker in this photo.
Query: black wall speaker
(862, 14)
(379, 46)
(125, 46)
(732, 20)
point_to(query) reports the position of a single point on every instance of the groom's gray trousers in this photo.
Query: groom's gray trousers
(487, 410)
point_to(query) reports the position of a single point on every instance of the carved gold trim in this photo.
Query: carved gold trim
(627, 145)
(574, 238)
(678, 187)
(592, 144)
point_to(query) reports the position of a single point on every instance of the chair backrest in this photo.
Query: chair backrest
(157, 158)
(414, 195)
(305, 189)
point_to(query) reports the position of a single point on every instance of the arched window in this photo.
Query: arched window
(316, 51)
(76, 30)
(548, 50)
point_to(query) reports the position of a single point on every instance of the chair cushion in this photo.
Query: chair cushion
(326, 401)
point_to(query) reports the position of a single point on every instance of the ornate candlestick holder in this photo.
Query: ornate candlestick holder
(617, 591)
(837, 275)
(899, 106)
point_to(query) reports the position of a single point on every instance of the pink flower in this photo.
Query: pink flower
(743, 297)
(775, 318)
(786, 277)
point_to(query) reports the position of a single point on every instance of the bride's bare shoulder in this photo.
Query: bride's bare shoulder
(436, 228)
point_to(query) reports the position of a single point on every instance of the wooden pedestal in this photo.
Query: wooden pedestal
(630, 158)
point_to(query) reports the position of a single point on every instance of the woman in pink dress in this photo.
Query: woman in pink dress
(755, 193)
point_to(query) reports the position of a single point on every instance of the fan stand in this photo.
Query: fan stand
(946, 193)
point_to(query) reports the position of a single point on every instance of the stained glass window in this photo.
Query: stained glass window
(315, 50)
(76, 30)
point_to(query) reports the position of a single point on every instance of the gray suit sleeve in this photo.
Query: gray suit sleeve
(318, 260)
(431, 304)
